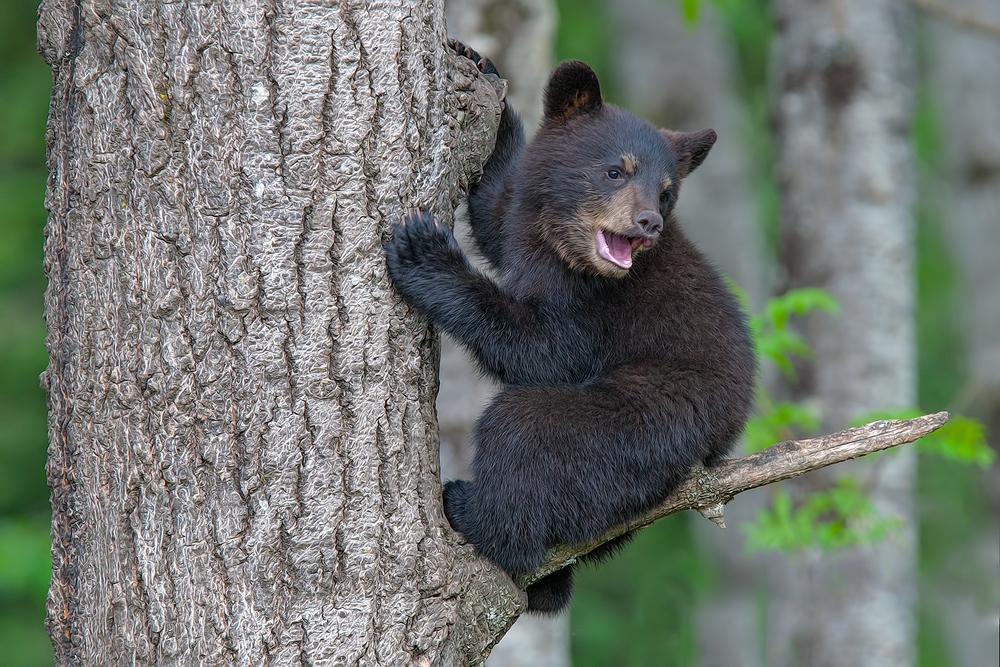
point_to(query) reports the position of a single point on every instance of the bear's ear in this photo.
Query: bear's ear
(690, 148)
(572, 88)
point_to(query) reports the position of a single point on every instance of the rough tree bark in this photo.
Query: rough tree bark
(243, 456)
(843, 73)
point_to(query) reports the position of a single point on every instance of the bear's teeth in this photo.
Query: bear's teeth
(615, 248)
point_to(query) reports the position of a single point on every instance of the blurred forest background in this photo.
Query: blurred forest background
(680, 595)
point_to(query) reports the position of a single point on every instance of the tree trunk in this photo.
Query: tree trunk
(843, 109)
(243, 457)
(968, 95)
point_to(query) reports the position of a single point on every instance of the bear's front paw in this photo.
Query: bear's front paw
(484, 64)
(419, 241)
(421, 254)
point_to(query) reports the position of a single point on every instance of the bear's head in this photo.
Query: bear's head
(601, 182)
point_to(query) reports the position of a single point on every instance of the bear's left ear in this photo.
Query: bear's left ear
(572, 89)
(690, 148)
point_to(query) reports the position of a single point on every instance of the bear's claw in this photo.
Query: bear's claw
(484, 64)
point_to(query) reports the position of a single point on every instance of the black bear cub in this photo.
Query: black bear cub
(624, 358)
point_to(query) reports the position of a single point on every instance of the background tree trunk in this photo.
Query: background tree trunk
(968, 96)
(843, 109)
(243, 456)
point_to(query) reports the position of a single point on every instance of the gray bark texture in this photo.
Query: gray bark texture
(517, 36)
(844, 91)
(243, 457)
(967, 92)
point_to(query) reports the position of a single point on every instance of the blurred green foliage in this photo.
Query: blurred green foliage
(583, 35)
(962, 439)
(24, 556)
(24, 88)
(830, 519)
(777, 421)
(638, 609)
(24, 515)
(775, 339)
(842, 515)
(777, 342)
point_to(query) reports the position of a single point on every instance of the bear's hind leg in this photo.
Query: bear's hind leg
(551, 594)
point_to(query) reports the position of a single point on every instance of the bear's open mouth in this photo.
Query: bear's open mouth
(617, 248)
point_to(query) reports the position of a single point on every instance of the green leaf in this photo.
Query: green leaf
(770, 328)
(799, 302)
(962, 439)
(839, 517)
(775, 425)
(690, 9)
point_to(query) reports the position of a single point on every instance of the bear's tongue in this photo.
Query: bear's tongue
(615, 248)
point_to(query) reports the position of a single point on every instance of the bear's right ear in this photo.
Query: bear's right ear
(572, 89)
(690, 148)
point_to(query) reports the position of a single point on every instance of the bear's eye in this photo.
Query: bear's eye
(665, 197)
(614, 174)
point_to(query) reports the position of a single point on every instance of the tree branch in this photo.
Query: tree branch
(709, 489)
(958, 17)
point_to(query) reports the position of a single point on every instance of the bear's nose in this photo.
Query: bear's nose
(650, 222)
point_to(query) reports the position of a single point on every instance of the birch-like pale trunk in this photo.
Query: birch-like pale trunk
(843, 104)
(967, 94)
(243, 451)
